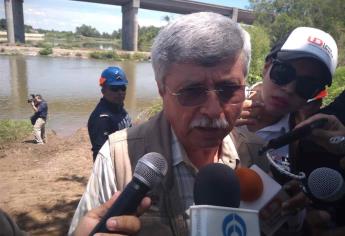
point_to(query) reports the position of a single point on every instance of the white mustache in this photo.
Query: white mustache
(205, 122)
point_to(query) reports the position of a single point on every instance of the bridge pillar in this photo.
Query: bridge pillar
(15, 21)
(234, 16)
(130, 25)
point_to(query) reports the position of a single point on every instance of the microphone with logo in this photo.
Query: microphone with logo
(148, 173)
(217, 197)
(262, 193)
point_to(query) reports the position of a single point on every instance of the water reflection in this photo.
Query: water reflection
(69, 85)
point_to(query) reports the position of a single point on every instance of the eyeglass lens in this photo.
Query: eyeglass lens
(306, 86)
(117, 88)
(192, 96)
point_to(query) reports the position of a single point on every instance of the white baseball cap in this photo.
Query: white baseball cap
(307, 42)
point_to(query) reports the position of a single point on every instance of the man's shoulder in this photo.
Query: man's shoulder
(144, 130)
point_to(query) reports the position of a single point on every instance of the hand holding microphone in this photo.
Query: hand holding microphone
(148, 173)
(333, 128)
(128, 224)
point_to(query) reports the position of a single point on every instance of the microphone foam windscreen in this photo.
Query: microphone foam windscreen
(216, 184)
(151, 168)
(250, 183)
(326, 184)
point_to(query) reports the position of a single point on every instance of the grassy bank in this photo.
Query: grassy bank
(12, 130)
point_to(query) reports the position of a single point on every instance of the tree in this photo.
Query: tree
(260, 42)
(278, 17)
(146, 36)
(3, 25)
(87, 31)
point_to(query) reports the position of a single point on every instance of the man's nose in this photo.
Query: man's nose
(212, 107)
(290, 87)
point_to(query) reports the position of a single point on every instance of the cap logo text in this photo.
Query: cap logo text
(320, 43)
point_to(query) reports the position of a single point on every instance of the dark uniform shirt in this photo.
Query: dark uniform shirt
(104, 120)
(42, 112)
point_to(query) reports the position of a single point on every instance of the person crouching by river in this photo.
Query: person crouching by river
(39, 118)
(109, 115)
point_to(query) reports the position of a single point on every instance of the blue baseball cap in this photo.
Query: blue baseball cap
(113, 76)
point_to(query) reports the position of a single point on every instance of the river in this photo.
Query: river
(70, 86)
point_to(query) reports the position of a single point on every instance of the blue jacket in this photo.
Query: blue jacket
(104, 120)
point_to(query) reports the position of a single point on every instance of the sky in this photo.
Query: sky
(66, 15)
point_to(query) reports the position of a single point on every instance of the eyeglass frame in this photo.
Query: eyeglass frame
(205, 93)
(300, 90)
(117, 88)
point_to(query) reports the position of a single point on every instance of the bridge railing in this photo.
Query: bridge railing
(28, 36)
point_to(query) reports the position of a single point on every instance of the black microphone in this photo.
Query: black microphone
(325, 185)
(217, 184)
(293, 135)
(149, 171)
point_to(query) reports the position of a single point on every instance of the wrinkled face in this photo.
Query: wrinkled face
(203, 125)
(114, 94)
(283, 99)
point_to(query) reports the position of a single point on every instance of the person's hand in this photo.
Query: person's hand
(321, 136)
(128, 224)
(250, 112)
(298, 200)
(319, 223)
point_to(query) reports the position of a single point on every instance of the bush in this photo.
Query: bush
(105, 55)
(12, 130)
(338, 85)
(150, 111)
(45, 51)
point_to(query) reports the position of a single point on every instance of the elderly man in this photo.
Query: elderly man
(200, 63)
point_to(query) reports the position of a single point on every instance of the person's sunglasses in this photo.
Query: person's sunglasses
(197, 95)
(116, 88)
(306, 86)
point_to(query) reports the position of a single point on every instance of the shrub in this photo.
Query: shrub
(12, 130)
(45, 51)
(105, 55)
(338, 85)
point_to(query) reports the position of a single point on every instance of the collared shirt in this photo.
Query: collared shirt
(101, 185)
(185, 172)
(273, 131)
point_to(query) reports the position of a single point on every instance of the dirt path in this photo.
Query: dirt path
(40, 185)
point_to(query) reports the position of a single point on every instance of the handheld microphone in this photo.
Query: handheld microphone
(149, 171)
(216, 184)
(217, 198)
(326, 185)
(251, 184)
(293, 135)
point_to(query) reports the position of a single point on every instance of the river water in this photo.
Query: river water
(70, 86)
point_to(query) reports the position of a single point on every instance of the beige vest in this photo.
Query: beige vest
(166, 216)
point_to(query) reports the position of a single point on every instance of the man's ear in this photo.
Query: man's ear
(160, 88)
(266, 67)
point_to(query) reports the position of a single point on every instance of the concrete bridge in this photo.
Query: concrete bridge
(15, 19)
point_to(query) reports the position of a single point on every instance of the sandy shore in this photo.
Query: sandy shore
(41, 184)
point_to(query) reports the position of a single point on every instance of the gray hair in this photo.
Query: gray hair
(204, 38)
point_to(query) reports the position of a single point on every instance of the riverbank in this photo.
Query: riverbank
(83, 53)
(42, 184)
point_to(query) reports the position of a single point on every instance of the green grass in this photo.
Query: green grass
(12, 130)
(45, 51)
(150, 111)
(108, 55)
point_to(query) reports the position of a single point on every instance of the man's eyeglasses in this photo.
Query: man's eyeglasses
(306, 86)
(116, 88)
(197, 95)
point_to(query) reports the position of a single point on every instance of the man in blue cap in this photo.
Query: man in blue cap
(109, 115)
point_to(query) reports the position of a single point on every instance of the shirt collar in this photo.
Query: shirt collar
(228, 154)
